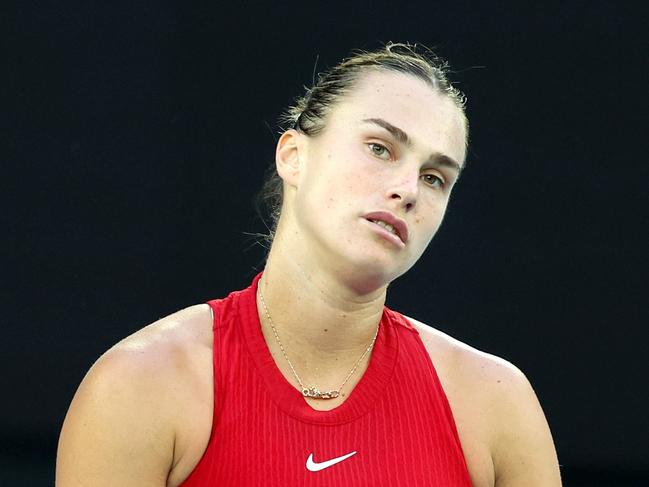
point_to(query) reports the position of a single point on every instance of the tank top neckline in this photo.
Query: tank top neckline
(365, 395)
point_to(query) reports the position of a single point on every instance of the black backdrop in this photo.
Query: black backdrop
(135, 136)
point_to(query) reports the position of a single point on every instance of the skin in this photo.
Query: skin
(142, 416)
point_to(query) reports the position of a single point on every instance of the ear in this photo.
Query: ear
(287, 156)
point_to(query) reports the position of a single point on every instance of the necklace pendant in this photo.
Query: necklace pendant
(315, 393)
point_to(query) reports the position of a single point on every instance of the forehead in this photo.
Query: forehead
(431, 119)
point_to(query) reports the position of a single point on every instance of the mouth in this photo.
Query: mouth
(387, 226)
(391, 225)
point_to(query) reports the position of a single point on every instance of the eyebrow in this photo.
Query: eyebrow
(401, 136)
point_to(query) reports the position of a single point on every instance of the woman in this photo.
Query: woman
(305, 378)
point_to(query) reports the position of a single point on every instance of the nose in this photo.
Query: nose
(405, 191)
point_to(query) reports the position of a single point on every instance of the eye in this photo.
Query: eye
(379, 150)
(432, 180)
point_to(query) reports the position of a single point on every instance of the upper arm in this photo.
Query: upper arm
(501, 424)
(116, 431)
(523, 451)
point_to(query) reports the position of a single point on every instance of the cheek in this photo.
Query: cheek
(339, 180)
(430, 218)
(427, 225)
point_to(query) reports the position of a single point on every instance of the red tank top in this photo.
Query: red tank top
(394, 429)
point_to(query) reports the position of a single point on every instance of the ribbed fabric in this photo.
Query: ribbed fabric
(397, 419)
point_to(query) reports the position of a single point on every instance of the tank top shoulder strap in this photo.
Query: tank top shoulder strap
(399, 319)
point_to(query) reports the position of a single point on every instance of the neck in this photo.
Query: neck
(324, 325)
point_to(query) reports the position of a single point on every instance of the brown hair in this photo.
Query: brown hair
(308, 114)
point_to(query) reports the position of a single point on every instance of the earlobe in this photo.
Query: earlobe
(287, 158)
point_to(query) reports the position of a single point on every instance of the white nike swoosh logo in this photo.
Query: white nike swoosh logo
(316, 467)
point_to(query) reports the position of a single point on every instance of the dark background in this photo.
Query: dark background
(135, 136)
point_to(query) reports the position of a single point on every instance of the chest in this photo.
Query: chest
(402, 436)
(387, 446)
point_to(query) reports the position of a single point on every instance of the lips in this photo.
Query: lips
(390, 223)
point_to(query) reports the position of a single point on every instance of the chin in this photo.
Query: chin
(370, 272)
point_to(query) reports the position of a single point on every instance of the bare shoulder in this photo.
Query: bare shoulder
(162, 358)
(467, 364)
(496, 412)
(139, 407)
(168, 345)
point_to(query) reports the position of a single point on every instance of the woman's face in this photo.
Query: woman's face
(371, 189)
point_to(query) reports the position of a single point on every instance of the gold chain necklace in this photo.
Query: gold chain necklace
(313, 391)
